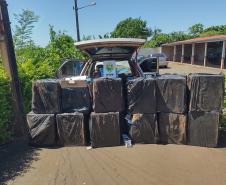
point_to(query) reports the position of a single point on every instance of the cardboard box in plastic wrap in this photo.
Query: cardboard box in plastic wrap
(172, 94)
(105, 129)
(108, 95)
(72, 129)
(46, 96)
(144, 128)
(141, 95)
(42, 128)
(206, 92)
(203, 128)
(172, 128)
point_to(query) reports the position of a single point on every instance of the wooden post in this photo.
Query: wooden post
(223, 55)
(182, 54)
(193, 54)
(157, 70)
(9, 61)
(174, 53)
(205, 53)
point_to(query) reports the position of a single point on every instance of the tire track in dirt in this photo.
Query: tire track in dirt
(106, 166)
(87, 168)
(129, 167)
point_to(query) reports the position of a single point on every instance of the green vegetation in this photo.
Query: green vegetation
(197, 30)
(39, 63)
(35, 62)
(24, 28)
(132, 28)
(5, 106)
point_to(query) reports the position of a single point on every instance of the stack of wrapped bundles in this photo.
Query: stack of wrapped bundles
(72, 128)
(141, 95)
(144, 128)
(105, 129)
(72, 125)
(172, 128)
(172, 108)
(206, 103)
(46, 97)
(75, 98)
(42, 129)
(108, 106)
(46, 102)
(108, 95)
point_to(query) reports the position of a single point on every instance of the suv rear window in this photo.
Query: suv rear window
(122, 67)
(158, 55)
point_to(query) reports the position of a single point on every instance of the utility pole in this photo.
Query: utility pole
(76, 9)
(9, 62)
(77, 20)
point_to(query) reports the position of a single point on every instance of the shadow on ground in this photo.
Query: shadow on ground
(16, 159)
(222, 138)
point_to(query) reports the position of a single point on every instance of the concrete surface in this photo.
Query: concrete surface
(176, 67)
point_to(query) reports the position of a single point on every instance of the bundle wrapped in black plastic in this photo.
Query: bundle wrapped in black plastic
(203, 128)
(72, 128)
(104, 129)
(172, 94)
(144, 128)
(42, 128)
(108, 95)
(206, 92)
(141, 94)
(172, 128)
(46, 96)
(76, 98)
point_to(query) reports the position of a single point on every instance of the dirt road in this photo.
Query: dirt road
(140, 165)
(176, 67)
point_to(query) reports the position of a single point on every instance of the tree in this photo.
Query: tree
(157, 40)
(132, 28)
(214, 30)
(178, 36)
(24, 28)
(196, 30)
(156, 32)
(105, 36)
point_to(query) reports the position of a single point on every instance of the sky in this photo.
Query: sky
(168, 15)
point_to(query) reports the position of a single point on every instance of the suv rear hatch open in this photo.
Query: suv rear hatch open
(117, 48)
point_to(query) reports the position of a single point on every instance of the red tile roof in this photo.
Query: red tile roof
(214, 38)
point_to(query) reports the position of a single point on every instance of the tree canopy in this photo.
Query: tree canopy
(24, 28)
(132, 28)
(196, 29)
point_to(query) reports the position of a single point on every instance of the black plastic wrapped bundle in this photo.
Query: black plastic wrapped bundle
(105, 129)
(76, 98)
(206, 92)
(172, 94)
(144, 128)
(172, 128)
(203, 128)
(42, 128)
(141, 94)
(108, 95)
(72, 128)
(46, 97)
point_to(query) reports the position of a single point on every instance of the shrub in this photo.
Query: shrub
(5, 106)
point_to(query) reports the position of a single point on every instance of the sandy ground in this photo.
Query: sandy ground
(140, 165)
(176, 67)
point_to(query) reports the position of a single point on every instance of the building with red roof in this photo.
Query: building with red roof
(206, 51)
